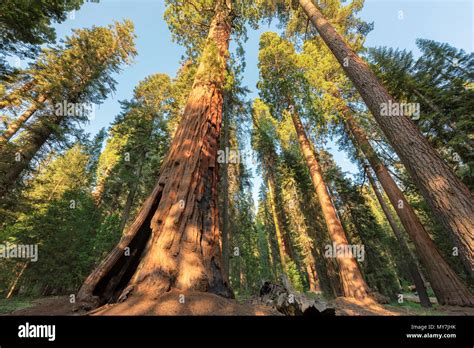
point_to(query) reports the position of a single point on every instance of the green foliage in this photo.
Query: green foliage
(189, 21)
(59, 203)
(81, 69)
(441, 81)
(78, 72)
(63, 239)
(106, 237)
(26, 24)
(246, 268)
(67, 172)
(137, 143)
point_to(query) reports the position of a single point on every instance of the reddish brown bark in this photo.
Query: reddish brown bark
(408, 258)
(447, 286)
(180, 216)
(313, 279)
(448, 197)
(353, 284)
(225, 193)
(283, 240)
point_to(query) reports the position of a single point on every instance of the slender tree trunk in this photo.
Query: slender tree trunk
(325, 269)
(353, 283)
(128, 206)
(100, 187)
(225, 192)
(15, 125)
(313, 279)
(311, 267)
(310, 259)
(180, 216)
(131, 197)
(449, 289)
(14, 95)
(14, 285)
(331, 284)
(36, 138)
(272, 243)
(283, 240)
(448, 197)
(406, 253)
(271, 257)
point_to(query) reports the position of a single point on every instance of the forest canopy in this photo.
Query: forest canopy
(201, 183)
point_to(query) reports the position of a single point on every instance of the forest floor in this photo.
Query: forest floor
(209, 304)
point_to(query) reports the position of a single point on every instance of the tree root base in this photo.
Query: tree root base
(176, 302)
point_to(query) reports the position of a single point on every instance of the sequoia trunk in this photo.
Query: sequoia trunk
(447, 286)
(449, 198)
(283, 240)
(353, 283)
(176, 231)
(407, 255)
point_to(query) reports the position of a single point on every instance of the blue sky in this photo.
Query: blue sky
(397, 23)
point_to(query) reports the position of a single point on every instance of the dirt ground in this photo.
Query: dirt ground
(196, 303)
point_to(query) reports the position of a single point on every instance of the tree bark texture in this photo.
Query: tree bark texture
(353, 283)
(175, 237)
(450, 200)
(406, 253)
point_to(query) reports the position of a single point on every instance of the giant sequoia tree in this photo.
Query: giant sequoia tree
(177, 225)
(440, 80)
(329, 82)
(443, 190)
(285, 94)
(326, 77)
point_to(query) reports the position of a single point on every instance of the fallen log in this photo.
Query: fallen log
(286, 300)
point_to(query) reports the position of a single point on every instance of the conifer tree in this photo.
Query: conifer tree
(68, 85)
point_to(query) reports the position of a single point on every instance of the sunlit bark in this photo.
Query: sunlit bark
(448, 197)
(353, 284)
